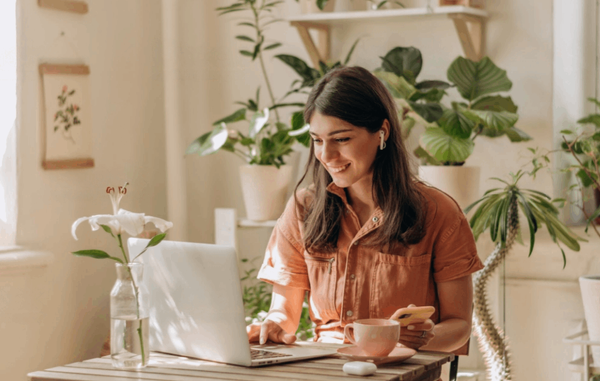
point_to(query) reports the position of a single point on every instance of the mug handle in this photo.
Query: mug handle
(347, 329)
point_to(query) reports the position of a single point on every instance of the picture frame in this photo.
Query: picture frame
(66, 128)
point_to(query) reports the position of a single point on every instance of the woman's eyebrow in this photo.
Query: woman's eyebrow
(332, 132)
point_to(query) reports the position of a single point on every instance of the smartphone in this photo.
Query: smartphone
(415, 315)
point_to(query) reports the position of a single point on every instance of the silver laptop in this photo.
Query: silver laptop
(196, 307)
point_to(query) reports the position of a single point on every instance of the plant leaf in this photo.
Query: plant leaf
(308, 74)
(398, 86)
(347, 59)
(455, 123)
(444, 147)
(235, 117)
(404, 62)
(210, 142)
(475, 79)
(516, 135)
(97, 254)
(495, 103)
(495, 120)
(107, 229)
(430, 111)
(244, 38)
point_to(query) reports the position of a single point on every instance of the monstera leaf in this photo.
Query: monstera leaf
(404, 62)
(445, 147)
(476, 79)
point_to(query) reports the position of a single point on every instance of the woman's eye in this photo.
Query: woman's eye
(341, 140)
(316, 140)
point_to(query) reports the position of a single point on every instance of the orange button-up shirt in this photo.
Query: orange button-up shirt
(360, 282)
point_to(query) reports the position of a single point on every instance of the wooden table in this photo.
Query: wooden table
(424, 366)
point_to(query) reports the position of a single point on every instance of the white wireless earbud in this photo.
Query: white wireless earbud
(381, 140)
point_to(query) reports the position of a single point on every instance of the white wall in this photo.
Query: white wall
(60, 314)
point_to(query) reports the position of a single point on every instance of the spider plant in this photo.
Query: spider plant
(537, 207)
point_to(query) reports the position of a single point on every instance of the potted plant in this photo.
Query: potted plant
(583, 145)
(498, 212)
(266, 143)
(450, 131)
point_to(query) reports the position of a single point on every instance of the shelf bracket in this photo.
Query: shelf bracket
(317, 52)
(471, 32)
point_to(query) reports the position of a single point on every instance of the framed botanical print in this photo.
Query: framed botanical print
(67, 128)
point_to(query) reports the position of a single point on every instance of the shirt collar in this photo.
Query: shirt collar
(340, 192)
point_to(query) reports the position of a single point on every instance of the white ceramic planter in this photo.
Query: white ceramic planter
(461, 183)
(265, 190)
(590, 293)
(310, 6)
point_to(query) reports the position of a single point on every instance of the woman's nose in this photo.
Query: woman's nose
(328, 153)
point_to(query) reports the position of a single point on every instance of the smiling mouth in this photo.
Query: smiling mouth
(338, 169)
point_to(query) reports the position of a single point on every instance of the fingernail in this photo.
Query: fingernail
(410, 327)
(261, 341)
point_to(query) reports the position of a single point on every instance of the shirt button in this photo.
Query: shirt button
(347, 211)
(356, 243)
(375, 219)
(349, 313)
(352, 276)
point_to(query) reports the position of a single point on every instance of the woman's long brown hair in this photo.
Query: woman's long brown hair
(356, 96)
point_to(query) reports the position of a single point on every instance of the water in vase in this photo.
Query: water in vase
(129, 342)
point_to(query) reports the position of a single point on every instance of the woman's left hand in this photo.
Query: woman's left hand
(417, 335)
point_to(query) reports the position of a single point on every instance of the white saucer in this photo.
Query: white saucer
(397, 355)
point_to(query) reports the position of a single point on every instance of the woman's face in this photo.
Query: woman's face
(347, 152)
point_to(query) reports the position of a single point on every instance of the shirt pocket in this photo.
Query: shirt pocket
(397, 282)
(322, 276)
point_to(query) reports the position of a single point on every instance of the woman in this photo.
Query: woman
(366, 238)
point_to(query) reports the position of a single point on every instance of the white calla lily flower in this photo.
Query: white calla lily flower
(124, 221)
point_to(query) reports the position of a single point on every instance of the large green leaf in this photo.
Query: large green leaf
(476, 79)
(431, 112)
(455, 123)
(496, 120)
(398, 86)
(209, 142)
(444, 147)
(321, 4)
(404, 62)
(495, 103)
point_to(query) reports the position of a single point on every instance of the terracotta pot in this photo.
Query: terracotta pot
(590, 293)
(265, 190)
(310, 6)
(461, 183)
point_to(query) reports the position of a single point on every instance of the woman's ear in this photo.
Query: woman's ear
(386, 129)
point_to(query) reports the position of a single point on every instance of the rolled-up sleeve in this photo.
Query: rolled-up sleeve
(284, 259)
(455, 252)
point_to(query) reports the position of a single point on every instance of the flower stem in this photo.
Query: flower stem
(137, 299)
(261, 60)
(123, 250)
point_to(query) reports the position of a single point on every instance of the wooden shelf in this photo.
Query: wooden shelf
(332, 18)
(244, 223)
(469, 23)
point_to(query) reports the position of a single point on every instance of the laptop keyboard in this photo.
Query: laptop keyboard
(258, 354)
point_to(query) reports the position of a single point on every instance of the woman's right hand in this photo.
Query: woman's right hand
(268, 330)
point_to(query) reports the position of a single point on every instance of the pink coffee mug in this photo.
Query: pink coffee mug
(374, 337)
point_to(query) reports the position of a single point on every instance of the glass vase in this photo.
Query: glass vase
(129, 319)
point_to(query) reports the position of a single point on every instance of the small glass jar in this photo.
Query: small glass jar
(129, 319)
